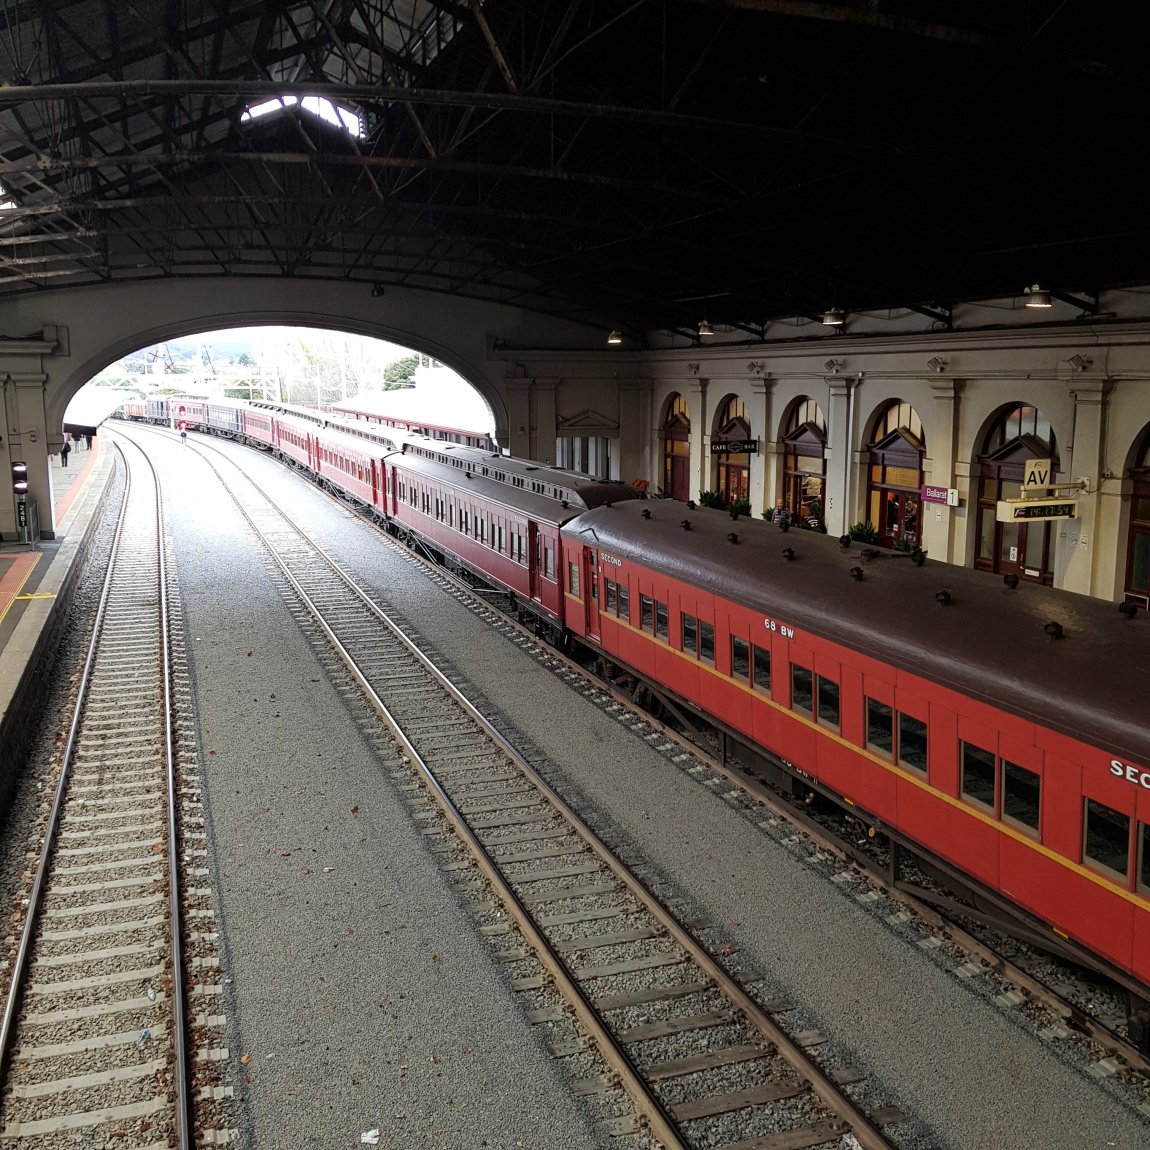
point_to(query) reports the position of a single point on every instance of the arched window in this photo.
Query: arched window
(894, 486)
(1020, 432)
(677, 450)
(1138, 542)
(805, 463)
(730, 445)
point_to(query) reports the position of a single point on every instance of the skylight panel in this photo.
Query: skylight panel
(334, 114)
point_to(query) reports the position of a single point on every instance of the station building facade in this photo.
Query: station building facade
(914, 441)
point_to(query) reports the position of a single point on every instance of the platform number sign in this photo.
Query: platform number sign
(1038, 473)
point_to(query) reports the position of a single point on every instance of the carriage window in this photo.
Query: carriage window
(690, 634)
(624, 603)
(1144, 855)
(573, 577)
(706, 641)
(1107, 837)
(762, 666)
(1021, 794)
(879, 727)
(912, 742)
(828, 702)
(978, 775)
(802, 688)
(661, 629)
(740, 658)
(548, 563)
(609, 604)
(646, 612)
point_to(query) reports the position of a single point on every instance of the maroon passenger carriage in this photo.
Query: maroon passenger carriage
(1001, 730)
(493, 515)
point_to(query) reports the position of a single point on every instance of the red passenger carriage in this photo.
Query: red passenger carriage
(944, 707)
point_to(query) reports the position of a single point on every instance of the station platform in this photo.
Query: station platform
(34, 581)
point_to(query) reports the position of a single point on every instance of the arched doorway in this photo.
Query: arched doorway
(1019, 432)
(677, 450)
(1137, 588)
(805, 463)
(894, 485)
(732, 446)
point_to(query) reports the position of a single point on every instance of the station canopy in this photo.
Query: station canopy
(633, 164)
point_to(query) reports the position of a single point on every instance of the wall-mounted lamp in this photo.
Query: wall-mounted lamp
(834, 366)
(705, 327)
(834, 317)
(1037, 297)
(1080, 362)
(616, 336)
(377, 291)
(937, 363)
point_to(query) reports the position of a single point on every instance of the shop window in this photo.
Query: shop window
(912, 742)
(828, 702)
(802, 689)
(1021, 795)
(761, 661)
(804, 463)
(740, 658)
(1107, 838)
(706, 641)
(879, 728)
(646, 612)
(661, 628)
(979, 775)
(690, 634)
(573, 578)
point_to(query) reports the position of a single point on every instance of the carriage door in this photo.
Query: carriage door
(534, 561)
(591, 591)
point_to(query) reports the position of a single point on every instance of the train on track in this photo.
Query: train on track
(997, 732)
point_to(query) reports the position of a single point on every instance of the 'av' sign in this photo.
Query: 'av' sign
(1038, 473)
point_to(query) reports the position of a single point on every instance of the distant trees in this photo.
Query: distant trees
(401, 373)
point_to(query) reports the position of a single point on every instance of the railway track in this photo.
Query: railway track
(94, 1036)
(689, 1043)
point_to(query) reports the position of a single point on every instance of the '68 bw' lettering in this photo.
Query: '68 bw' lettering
(1131, 774)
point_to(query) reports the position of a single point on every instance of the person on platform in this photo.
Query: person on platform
(64, 450)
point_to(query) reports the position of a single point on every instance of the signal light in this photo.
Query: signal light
(19, 477)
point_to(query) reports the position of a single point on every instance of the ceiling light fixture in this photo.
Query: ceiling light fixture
(616, 336)
(1037, 297)
(705, 328)
(834, 317)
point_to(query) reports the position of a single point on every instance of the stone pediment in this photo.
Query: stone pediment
(588, 422)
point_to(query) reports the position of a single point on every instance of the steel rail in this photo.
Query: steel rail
(869, 1136)
(175, 918)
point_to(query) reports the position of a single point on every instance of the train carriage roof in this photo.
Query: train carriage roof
(522, 475)
(988, 643)
(516, 500)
